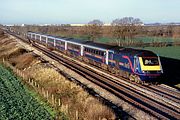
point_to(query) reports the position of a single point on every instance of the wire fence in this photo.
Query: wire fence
(53, 99)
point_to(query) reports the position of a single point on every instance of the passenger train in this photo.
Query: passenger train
(137, 65)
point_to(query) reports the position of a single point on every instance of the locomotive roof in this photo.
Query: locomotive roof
(77, 40)
(100, 45)
(134, 52)
(38, 33)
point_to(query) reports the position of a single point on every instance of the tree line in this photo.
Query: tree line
(122, 30)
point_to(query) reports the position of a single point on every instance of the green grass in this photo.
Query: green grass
(137, 39)
(171, 52)
(155, 39)
(105, 40)
(141, 39)
(40, 101)
(145, 39)
(84, 37)
(17, 102)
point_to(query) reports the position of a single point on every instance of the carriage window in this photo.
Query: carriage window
(62, 43)
(50, 40)
(97, 52)
(110, 55)
(102, 53)
(43, 38)
(37, 37)
(94, 51)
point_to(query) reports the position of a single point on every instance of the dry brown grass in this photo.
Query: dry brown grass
(71, 95)
(1, 32)
(6, 41)
(96, 111)
(22, 61)
(16, 55)
(7, 46)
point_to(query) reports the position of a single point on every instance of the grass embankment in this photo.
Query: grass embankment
(75, 102)
(16, 102)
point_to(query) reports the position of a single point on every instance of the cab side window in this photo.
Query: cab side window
(110, 56)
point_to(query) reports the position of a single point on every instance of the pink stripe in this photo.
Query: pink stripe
(126, 57)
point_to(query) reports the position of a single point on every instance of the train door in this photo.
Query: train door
(111, 61)
(136, 61)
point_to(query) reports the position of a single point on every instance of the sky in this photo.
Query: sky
(83, 11)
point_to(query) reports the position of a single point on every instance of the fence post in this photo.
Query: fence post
(67, 107)
(55, 103)
(47, 95)
(59, 102)
(23, 76)
(16, 71)
(32, 82)
(35, 84)
(19, 73)
(52, 98)
(76, 115)
(42, 89)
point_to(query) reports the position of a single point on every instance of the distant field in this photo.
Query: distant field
(16, 102)
(143, 39)
(137, 39)
(155, 39)
(171, 52)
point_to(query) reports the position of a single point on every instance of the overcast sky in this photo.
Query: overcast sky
(83, 11)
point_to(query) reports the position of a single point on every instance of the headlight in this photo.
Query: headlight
(145, 72)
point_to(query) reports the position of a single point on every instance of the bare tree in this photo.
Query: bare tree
(176, 32)
(125, 28)
(170, 30)
(94, 29)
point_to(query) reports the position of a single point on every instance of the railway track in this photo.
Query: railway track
(164, 93)
(124, 91)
